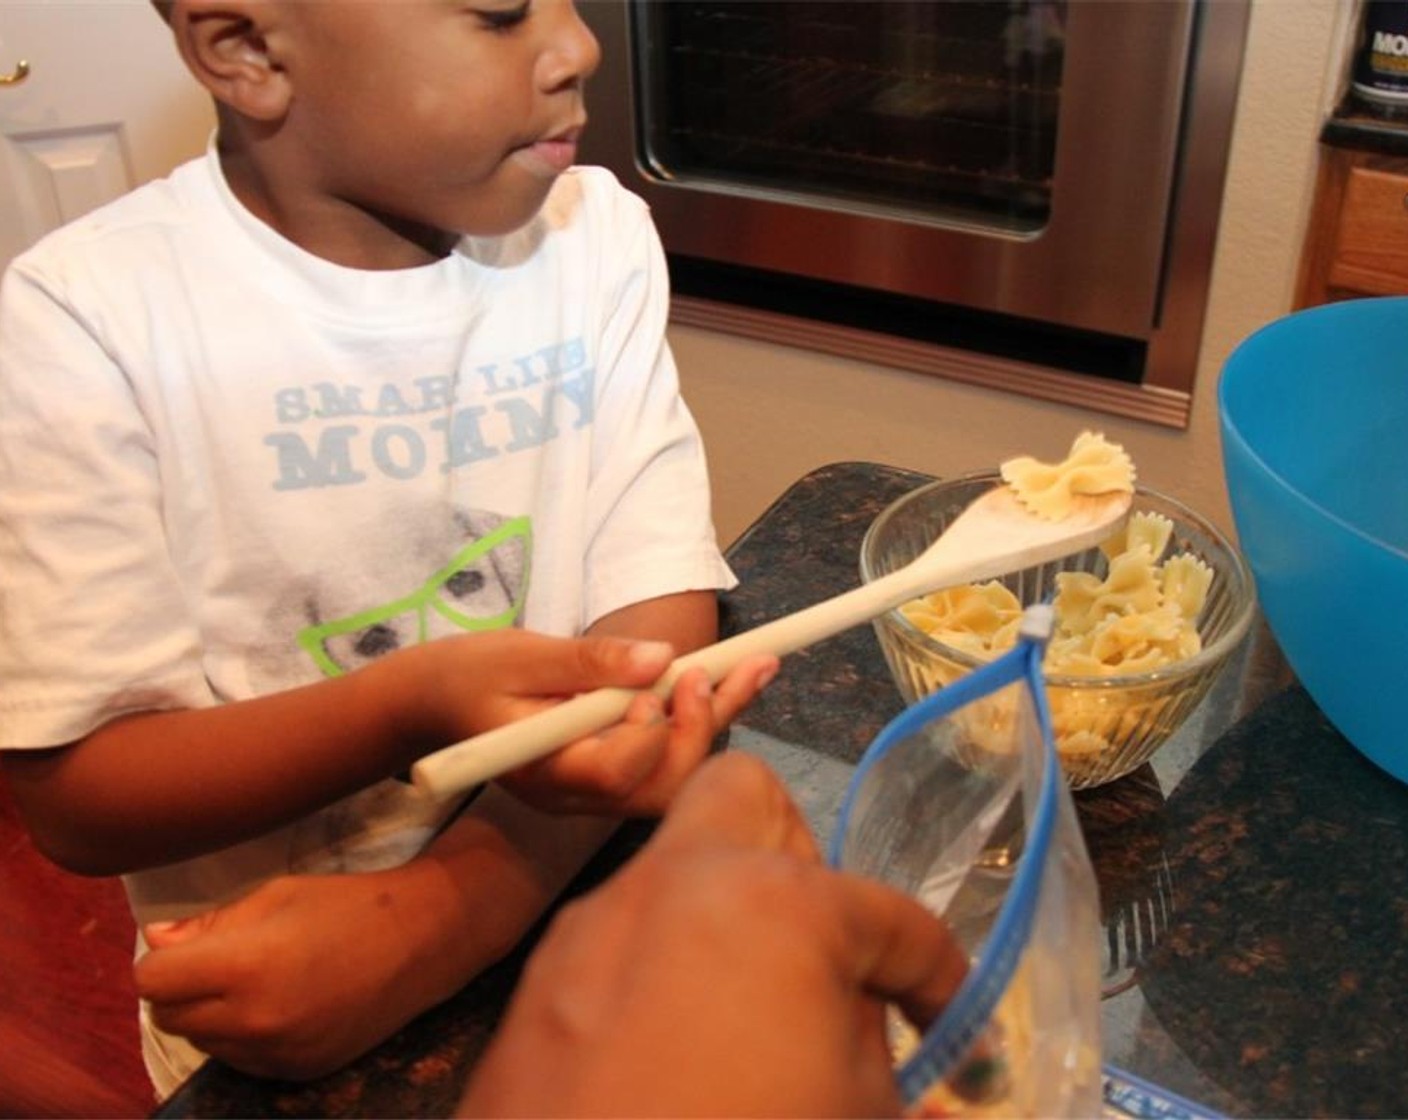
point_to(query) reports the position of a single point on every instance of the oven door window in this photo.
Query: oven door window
(944, 113)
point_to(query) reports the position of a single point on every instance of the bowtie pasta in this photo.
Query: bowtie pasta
(1140, 615)
(1094, 465)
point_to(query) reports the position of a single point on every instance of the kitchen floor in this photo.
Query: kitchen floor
(68, 1011)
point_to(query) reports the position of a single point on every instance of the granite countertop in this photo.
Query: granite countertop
(1252, 876)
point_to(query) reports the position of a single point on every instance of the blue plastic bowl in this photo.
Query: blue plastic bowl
(1314, 411)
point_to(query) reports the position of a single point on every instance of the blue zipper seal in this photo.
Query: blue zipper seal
(953, 1034)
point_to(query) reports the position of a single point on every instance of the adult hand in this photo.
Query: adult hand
(724, 971)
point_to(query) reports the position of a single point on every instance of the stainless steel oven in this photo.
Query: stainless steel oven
(1017, 192)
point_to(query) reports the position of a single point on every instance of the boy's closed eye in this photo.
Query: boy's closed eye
(502, 18)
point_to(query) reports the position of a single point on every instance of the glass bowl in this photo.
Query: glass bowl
(1105, 726)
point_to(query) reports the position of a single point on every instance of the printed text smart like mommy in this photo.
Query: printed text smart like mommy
(406, 441)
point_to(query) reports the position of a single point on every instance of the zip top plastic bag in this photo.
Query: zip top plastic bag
(960, 802)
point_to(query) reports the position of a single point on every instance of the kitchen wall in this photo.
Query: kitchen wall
(771, 413)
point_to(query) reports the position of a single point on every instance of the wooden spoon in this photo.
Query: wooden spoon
(996, 534)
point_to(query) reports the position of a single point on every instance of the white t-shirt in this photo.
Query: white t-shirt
(228, 467)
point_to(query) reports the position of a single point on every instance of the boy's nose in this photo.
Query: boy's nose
(573, 53)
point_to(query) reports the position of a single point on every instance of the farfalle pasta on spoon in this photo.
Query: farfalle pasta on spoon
(1094, 465)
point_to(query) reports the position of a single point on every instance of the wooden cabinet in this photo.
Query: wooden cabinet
(1357, 244)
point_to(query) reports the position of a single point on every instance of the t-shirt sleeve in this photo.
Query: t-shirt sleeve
(92, 622)
(650, 520)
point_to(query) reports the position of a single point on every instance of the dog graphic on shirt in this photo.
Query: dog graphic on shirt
(479, 586)
(476, 573)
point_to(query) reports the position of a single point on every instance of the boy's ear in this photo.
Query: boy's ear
(225, 44)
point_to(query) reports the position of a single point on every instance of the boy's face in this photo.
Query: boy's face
(448, 115)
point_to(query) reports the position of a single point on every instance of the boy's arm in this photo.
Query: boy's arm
(687, 620)
(162, 786)
(274, 985)
(309, 972)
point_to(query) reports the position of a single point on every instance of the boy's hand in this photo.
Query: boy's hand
(723, 972)
(275, 985)
(636, 767)
(469, 684)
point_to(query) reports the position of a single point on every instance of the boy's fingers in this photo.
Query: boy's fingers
(551, 666)
(176, 974)
(740, 687)
(642, 760)
(199, 1017)
(646, 710)
(604, 768)
(624, 662)
(160, 935)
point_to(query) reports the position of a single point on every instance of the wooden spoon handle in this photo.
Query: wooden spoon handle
(468, 763)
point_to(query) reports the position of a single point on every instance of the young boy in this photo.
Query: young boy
(287, 441)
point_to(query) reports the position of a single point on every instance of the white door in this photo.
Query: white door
(94, 100)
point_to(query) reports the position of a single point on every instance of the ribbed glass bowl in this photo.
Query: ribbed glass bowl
(1105, 726)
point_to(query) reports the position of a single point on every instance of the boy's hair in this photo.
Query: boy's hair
(163, 8)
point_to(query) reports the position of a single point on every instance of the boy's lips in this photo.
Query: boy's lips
(554, 154)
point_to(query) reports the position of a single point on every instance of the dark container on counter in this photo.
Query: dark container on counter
(1381, 61)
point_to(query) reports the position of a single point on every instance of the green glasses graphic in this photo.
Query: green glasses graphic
(412, 618)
